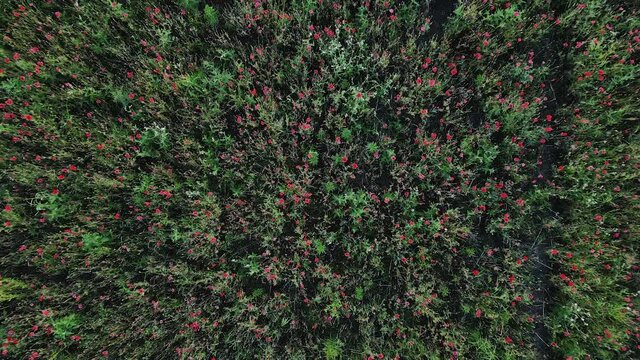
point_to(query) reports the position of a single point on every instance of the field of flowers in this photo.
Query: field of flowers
(318, 179)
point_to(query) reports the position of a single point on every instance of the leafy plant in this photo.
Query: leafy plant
(11, 289)
(211, 15)
(332, 349)
(65, 326)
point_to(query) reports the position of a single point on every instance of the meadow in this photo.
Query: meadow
(317, 179)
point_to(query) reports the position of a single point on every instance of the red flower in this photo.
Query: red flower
(508, 340)
(344, 159)
(454, 71)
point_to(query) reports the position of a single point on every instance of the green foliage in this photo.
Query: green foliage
(95, 243)
(332, 349)
(189, 4)
(309, 179)
(154, 142)
(11, 289)
(359, 294)
(65, 326)
(210, 15)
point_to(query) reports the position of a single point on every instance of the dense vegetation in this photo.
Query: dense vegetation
(192, 179)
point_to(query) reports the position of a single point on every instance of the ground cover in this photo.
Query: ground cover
(319, 179)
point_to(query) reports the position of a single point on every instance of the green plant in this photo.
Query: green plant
(211, 15)
(332, 349)
(11, 289)
(65, 326)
